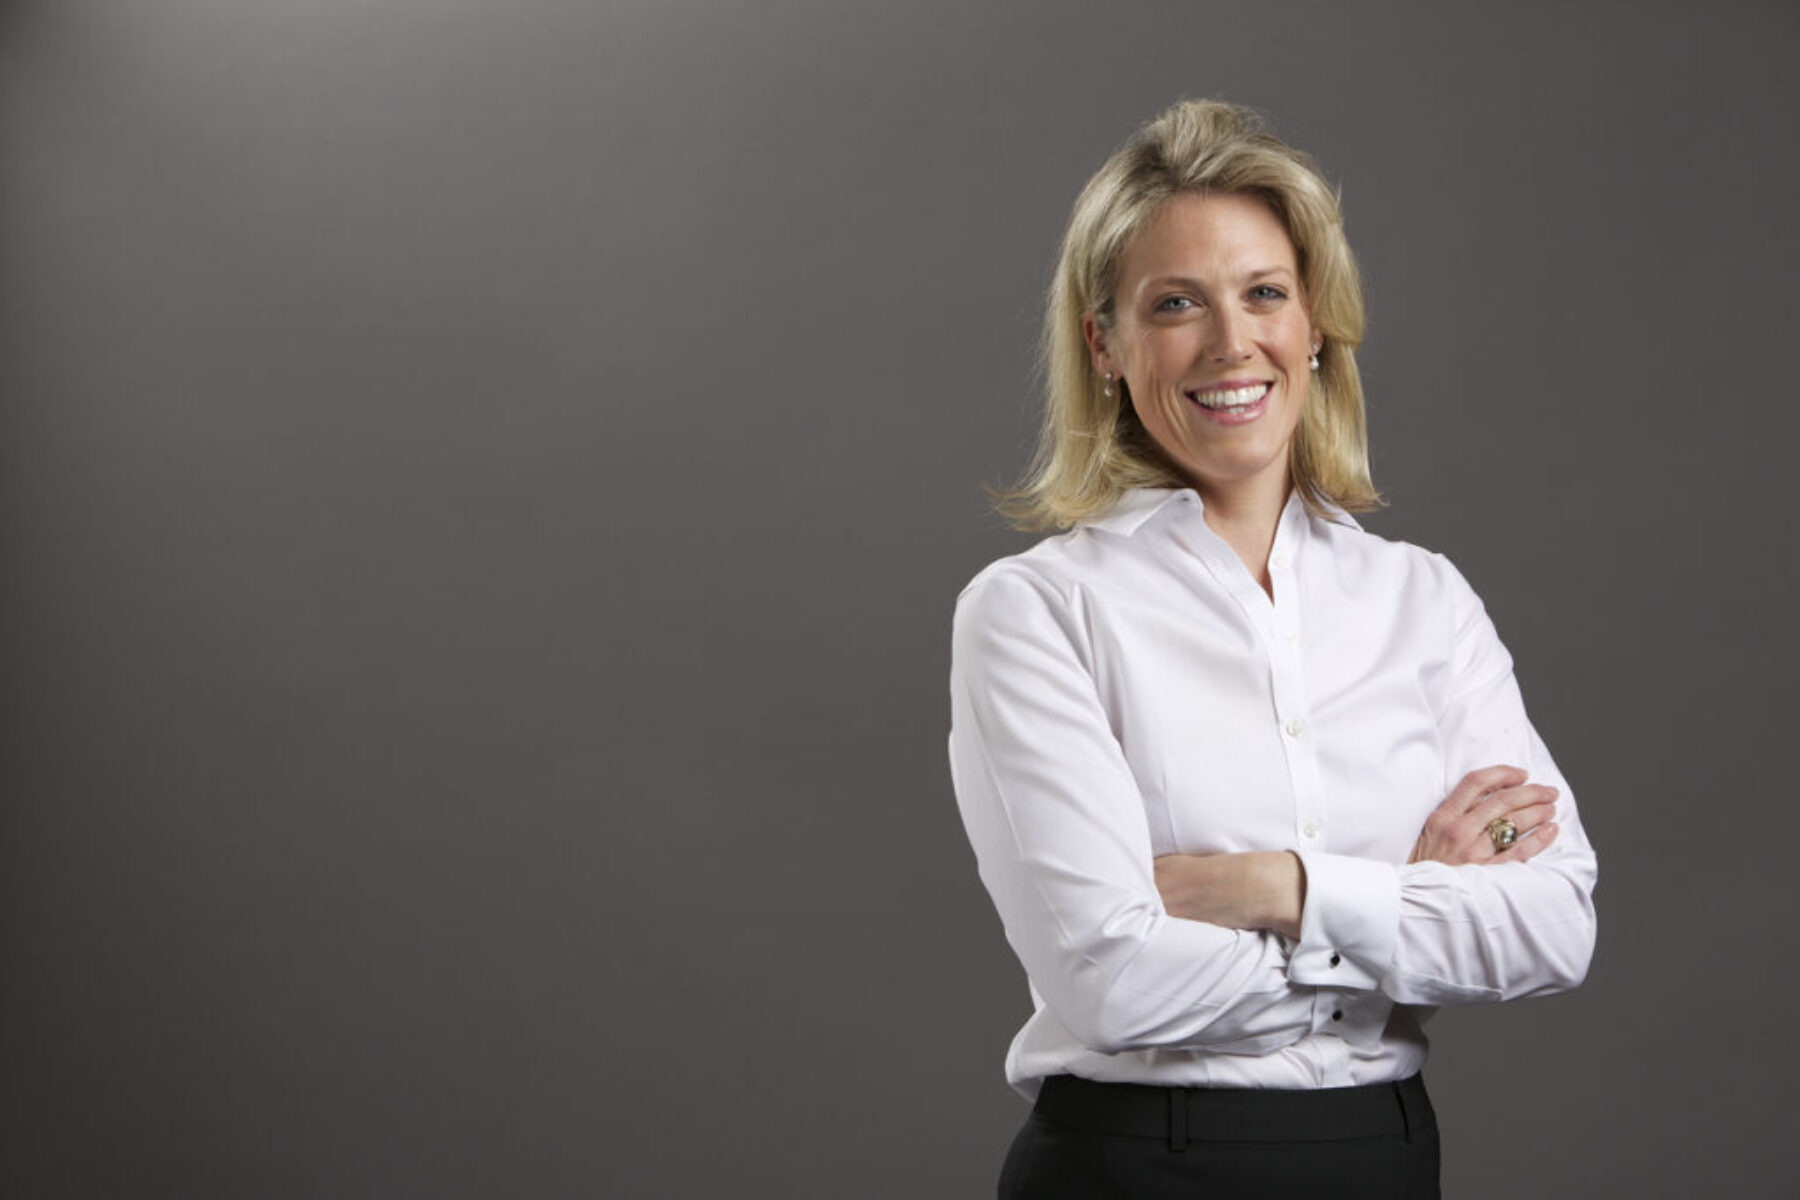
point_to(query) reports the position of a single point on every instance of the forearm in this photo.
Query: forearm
(1429, 933)
(1255, 890)
(1473, 934)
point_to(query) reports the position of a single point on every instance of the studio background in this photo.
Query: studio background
(483, 488)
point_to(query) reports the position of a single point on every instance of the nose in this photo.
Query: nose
(1230, 341)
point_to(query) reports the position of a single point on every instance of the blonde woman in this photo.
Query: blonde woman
(1252, 789)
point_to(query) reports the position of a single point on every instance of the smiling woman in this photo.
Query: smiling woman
(1253, 790)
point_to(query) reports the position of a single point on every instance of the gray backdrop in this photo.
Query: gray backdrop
(483, 487)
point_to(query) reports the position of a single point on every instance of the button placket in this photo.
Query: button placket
(1282, 632)
(1315, 812)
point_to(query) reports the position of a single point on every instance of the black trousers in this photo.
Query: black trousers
(1095, 1141)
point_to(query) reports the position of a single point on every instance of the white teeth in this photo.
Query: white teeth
(1231, 397)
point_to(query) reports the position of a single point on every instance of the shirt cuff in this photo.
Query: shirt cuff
(1350, 924)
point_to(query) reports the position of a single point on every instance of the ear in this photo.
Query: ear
(1098, 354)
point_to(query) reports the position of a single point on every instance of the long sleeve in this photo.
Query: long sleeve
(1431, 934)
(1061, 839)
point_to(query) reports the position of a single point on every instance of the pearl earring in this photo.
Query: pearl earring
(1107, 390)
(1315, 360)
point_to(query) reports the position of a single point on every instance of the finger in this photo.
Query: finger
(1479, 782)
(1525, 807)
(1503, 802)
(1532, 816)
(1531, 844)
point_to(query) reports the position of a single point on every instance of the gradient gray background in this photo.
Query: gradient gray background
(483, 486)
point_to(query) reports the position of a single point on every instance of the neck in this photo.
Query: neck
(1246, 512)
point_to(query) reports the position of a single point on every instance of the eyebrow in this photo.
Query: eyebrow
(1190, 282)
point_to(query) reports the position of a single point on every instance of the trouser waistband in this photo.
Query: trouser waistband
(1185, 1115)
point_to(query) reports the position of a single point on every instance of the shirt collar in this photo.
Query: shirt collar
(1138, 505)
(1338, 516)
(1135, 507)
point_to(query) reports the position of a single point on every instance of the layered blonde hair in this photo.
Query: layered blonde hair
(1092, 447)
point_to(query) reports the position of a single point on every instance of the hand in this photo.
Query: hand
(1456, 831)
(1261, 889)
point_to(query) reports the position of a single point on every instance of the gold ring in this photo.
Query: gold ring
(1502, 833)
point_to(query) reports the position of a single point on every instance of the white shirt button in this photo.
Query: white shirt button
(1279, 561)
(1296, 727)
(1310, 829)
(1291, 635)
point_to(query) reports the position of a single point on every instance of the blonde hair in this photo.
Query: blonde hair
(1092, 447)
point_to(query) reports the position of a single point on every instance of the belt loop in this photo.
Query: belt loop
(1178, 1130)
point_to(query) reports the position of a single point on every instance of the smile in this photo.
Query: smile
(1230, 399)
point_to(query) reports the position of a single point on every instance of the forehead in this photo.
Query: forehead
(1208, 234)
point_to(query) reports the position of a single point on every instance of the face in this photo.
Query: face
(1211, 335)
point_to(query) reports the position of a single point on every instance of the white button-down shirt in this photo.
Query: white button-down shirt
(1127, 690)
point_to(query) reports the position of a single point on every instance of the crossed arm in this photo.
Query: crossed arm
(1266, 889)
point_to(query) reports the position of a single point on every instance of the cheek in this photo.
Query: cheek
(1164, 354)
(1301, 336)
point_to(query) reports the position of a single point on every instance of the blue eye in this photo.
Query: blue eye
(1174, 304)
(1267, 291)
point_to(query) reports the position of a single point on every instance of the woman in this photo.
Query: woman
(1253, 790)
